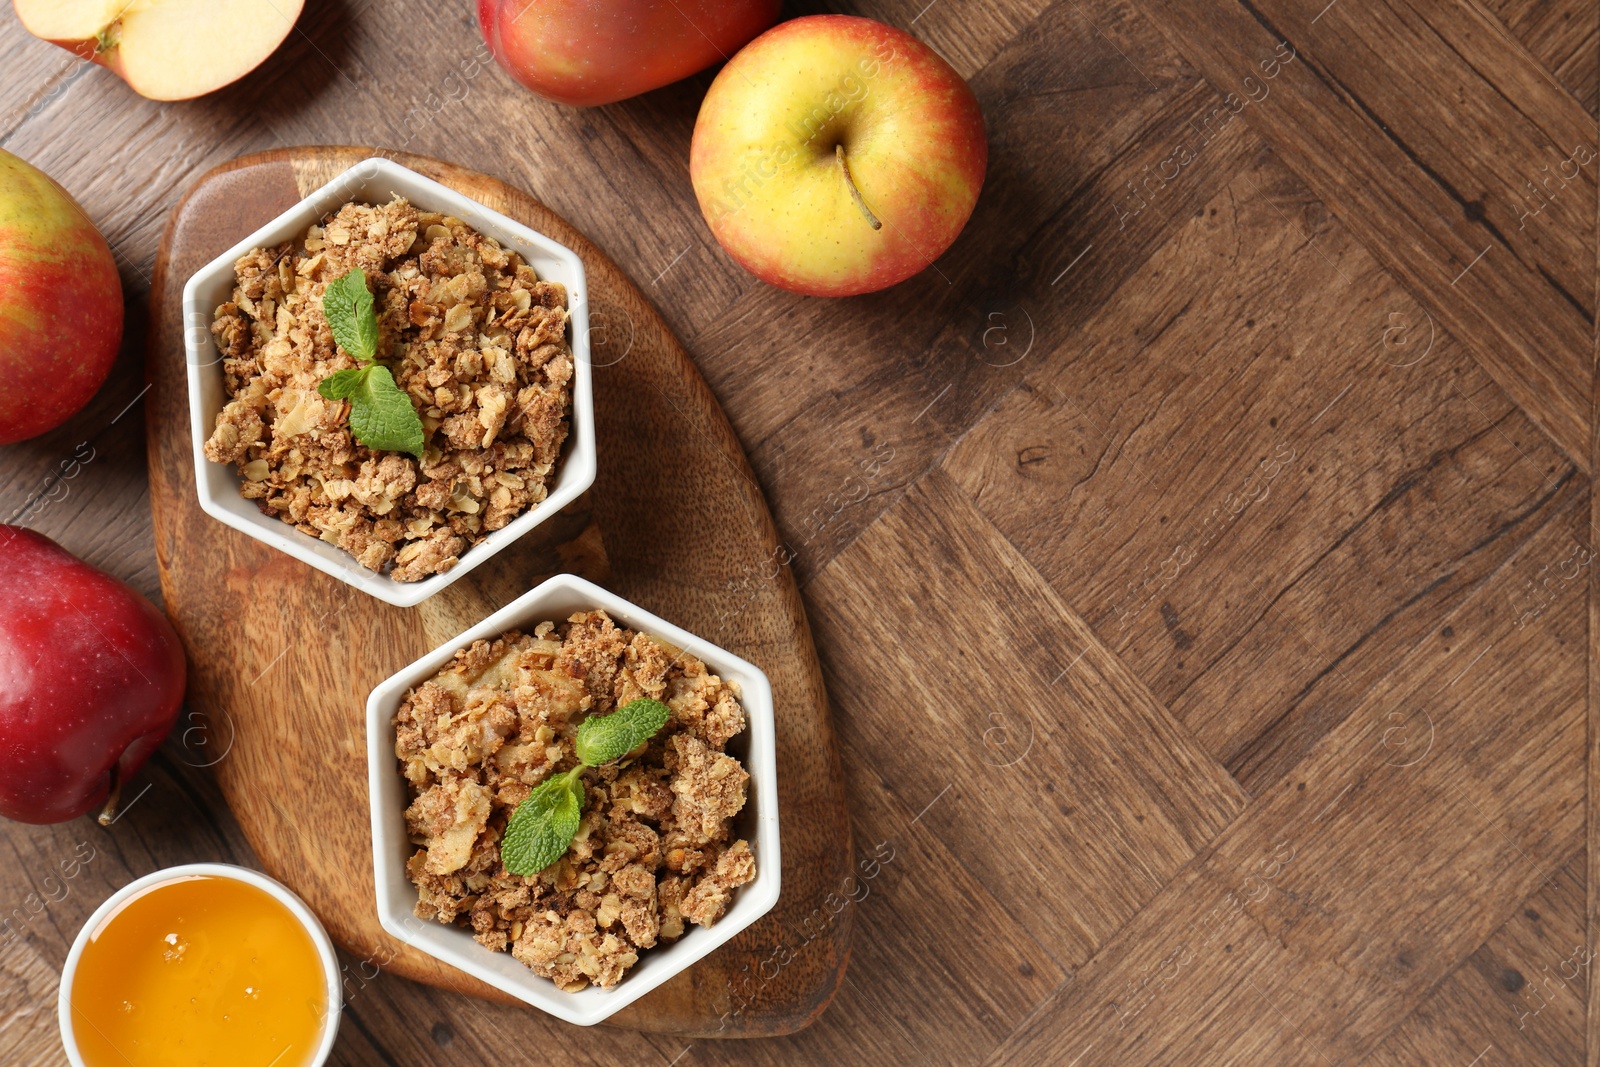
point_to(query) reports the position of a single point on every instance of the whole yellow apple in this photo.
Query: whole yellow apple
(60, 303)
(836, 155)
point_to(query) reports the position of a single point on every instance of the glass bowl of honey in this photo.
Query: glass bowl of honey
(204, 965)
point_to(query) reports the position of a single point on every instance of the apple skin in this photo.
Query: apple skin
(765, 169)
(589, 52)
(60, 303)
(91, 677)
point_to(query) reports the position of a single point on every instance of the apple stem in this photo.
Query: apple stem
(108, 38)
(108, 813)
(855, 194)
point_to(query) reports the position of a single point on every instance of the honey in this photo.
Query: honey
(201, 971)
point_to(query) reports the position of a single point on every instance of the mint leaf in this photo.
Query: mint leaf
(347, 302)
(381, 416)
(543, 825)
(341, 384)
(603, 738)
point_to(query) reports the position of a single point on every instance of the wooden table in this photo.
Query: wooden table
(1199, 555)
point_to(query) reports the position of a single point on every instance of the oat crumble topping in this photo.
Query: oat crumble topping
(655, 848)
(469, 331)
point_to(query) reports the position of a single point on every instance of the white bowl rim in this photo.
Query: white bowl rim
(578, 465)
(758, 897)
(276, 889)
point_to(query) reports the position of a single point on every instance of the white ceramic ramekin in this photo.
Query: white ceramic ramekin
(276, 889)
(554, 600)
(379, 180)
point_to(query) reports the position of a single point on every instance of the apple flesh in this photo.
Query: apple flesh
(91, 677)
(60, 303)
(165, 49)
(588, 52)
(835, 155)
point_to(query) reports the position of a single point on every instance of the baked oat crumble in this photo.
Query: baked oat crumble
(655, 847)
(469, 331)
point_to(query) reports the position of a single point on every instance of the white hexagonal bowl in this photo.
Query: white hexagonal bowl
(378, 180)
(554, 600)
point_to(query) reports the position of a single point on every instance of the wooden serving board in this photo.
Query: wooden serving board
(282, 657)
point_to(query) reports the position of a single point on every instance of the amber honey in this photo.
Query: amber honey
(201, 971)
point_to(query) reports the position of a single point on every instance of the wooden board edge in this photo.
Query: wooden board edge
(1592, 750)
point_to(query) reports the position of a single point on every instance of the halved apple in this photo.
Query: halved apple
(165, 49)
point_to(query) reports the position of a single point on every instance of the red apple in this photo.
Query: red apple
(165, 49)
(588, 52)
(60, 303)
(835, 155)
(91, 676)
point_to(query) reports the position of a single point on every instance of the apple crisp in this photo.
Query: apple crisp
(473, 337)
(655, 847)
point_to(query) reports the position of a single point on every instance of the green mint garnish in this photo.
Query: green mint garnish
(544, 824)
(603, 738)
(347, 302)
(381, 414)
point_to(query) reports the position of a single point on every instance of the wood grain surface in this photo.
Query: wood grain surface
(1198, 555)
(675, 522)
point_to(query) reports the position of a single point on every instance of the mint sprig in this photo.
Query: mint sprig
(381, 414)
(544, 824)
